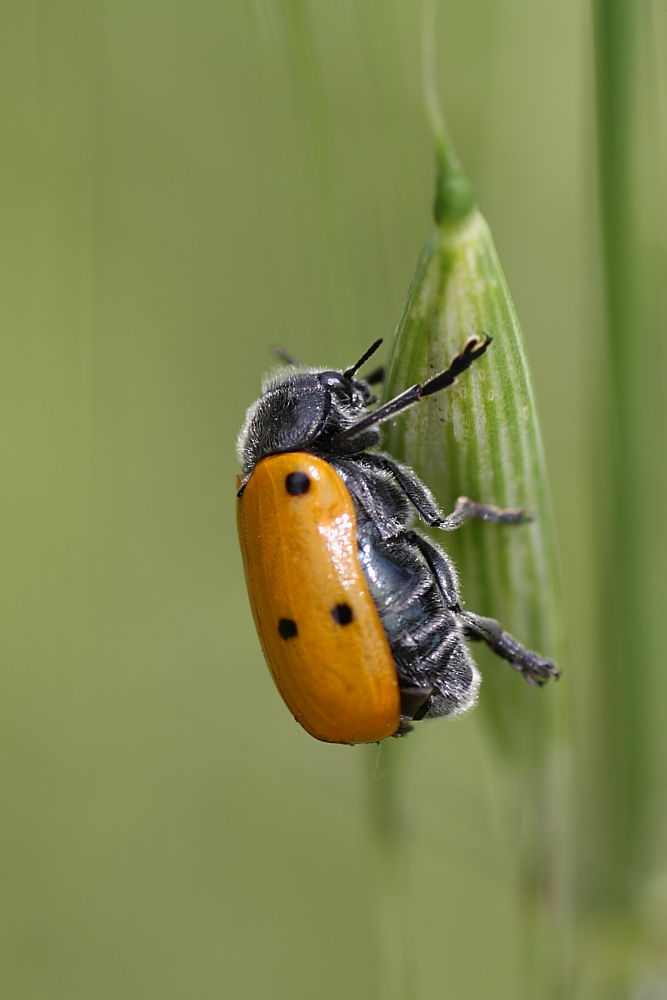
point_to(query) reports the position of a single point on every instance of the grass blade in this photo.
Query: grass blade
(481, 439)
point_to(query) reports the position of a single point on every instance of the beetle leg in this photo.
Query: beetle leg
(535, 669)
(466, 509)
(424, 503)
(361, 480)
(414, 393)
(441, 568)
(417, 493)
(414, 701)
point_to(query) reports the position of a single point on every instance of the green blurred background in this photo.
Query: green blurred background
(184, 185)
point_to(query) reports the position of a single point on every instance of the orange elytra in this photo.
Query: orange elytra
(320, 630)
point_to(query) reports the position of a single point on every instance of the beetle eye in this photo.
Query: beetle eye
(347, 388)
(333, 380)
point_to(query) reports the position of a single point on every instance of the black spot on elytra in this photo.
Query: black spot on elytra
(297, 483)
(342, 614)
(287, 628)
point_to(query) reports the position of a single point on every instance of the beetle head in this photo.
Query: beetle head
(305, 410)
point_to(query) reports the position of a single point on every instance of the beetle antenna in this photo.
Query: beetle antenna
(472, 350)
(349, 372)
(281, 353)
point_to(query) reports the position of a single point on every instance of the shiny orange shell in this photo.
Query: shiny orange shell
(320, 630)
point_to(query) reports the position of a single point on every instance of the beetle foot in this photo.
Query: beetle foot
(537, 671)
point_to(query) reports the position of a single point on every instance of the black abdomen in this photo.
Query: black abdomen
(425, 636)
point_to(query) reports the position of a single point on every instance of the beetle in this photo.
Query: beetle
(358, 613)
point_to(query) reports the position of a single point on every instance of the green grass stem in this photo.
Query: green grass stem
(481, 439)
(619, 784)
